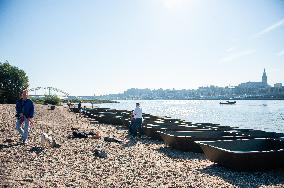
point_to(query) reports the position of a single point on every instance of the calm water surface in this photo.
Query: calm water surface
(265, 115)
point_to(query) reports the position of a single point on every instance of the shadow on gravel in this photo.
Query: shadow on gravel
(246, 179)
(176, 154)
(8, 143)
(37, 150)
(130, 143)
(2, 146)
(144, 140)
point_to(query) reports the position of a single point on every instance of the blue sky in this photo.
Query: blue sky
(107, 46)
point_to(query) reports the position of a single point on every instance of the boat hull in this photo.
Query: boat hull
(185, 140)
(152, 131)
(228, 102)
(248, 155)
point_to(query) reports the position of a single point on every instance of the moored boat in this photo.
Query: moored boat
(245, 154)
(185, 140)
(228, 102)
(150, 130)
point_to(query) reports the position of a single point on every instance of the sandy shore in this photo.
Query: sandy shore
(145, 163)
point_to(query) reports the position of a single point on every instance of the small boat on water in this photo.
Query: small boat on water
(245, 154)
(228, 102)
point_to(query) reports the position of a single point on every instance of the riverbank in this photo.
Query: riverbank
(145, 163)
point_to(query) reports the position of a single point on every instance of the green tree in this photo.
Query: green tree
(12, 81)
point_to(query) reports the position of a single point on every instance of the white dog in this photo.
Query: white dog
(47, 140)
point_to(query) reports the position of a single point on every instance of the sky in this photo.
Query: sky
(95, 47)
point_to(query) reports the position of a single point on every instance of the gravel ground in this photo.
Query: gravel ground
(140, 163)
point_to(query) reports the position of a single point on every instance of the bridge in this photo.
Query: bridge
(41, 91)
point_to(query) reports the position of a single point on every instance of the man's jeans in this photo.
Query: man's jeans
(23, 132)
(136, 127)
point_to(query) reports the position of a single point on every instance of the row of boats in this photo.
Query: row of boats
(231, 147)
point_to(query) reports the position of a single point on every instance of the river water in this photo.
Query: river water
(265, 115)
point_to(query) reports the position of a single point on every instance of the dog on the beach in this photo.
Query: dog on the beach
(47, 140)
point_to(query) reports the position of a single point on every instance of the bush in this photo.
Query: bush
(37, 100)
(51, 99)
(12, 81)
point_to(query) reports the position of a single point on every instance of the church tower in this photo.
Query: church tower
(264, 78)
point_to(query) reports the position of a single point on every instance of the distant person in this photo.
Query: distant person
(69, 104)
(24, 115)
(137, 127)
(84, 109)
(79, 106)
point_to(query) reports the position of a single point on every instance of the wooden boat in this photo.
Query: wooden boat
(228, 102)
(213, 126)
(185, 140)
(244, 154)
(151, 130)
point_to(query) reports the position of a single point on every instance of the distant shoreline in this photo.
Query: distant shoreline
(196, 99)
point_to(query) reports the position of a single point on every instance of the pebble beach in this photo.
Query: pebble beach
(133, 163)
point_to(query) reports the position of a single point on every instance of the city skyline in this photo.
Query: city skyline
(103, 47)
(257, 87)
(263, 80)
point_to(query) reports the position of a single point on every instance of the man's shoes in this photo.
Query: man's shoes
(24, 142)
(21, 141)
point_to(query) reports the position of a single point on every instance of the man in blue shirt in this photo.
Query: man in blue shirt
(24, 114)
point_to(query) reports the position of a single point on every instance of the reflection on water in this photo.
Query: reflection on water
(257, 114)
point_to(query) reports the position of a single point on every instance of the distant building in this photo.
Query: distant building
(264, 78)
(278, 85)
(262, 84)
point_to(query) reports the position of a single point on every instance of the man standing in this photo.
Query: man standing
(137, 113)
(24, 114)
(79, 106)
